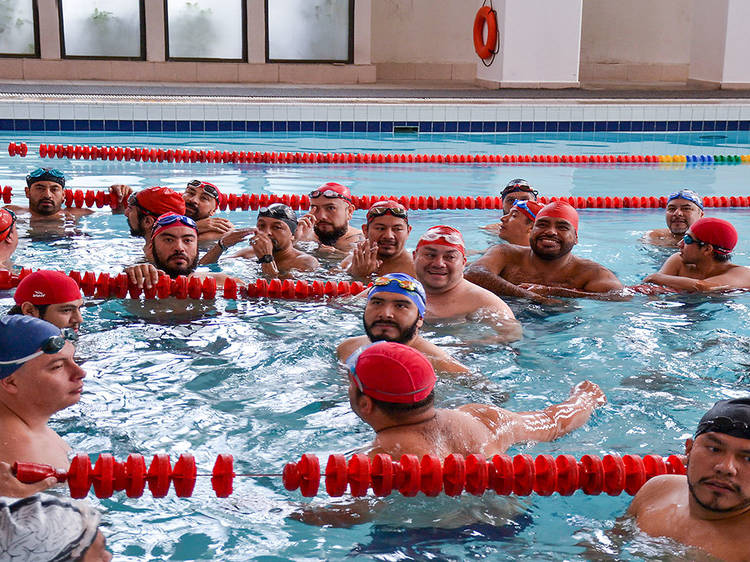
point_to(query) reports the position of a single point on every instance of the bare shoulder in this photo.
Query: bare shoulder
(78, 211)
(349, 346)
(482, 299)
(657, 492)
(305, 261)
(499, 254)
(491, 416)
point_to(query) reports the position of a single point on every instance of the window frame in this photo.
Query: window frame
(37, 49)
(243, 7)
(142, 57)
(350, 46)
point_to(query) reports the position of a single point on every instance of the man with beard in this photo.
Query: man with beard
(327, 223)
(702, 264)
(45, 192)
(386, 231)
(8, 238)
(516, 190)
(439, 260)
(202, 199)
(547, 268)
(684, 207)
(147, 205)
(394, 312)
(709, 507)
(271, 243)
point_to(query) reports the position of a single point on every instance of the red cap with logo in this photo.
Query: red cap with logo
(443, 235)
(393, 372)
(530, 209)
(717, 232)
(160, 200)
(560, 210)
(46, 287)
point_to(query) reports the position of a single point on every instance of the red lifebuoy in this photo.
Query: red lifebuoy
(485, 15)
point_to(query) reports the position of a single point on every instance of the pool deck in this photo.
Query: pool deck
(421, 91)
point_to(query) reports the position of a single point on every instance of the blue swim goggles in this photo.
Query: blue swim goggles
(687, 239)
(171, 218)
(688, 195)
(46, 174)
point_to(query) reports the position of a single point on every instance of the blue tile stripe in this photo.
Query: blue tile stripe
(368, 126)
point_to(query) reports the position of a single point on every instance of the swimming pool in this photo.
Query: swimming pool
(258, 379)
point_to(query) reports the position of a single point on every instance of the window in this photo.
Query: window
(102, 29)
(309, 30)
(18, 33)
(206, 30)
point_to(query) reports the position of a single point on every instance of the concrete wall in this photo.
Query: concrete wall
(636, 40)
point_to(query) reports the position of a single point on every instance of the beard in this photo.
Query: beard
(330, 238)
(173, 272)
(565, 249)
(741, 505)
(405, 335)
(47, 211)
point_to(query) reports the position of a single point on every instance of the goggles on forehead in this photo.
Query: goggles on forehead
(10, 226)
(523, 205)
(208, 188)
(166, 220)
(451, 237)
(328, 194)
(398, 212)
(277, 211)
(687, 195)
(518, 185)
(403, 283)
(50, 346)
(41, 174)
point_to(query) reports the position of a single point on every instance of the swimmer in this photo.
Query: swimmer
(515, 227)
(202, 200)
(547, 268)
(684, 207)
(144, 207)
(46, 527)
(709, 507)
(38, 378)
(271, 243)
(516, 190)
(172, 249)
(394, 312)
(51, 296)
(703, 262)
(45, 192)
(386, 231)
(8, 238)
(327, 223)
(439, 260)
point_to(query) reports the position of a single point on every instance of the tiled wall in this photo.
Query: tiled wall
(222, 115)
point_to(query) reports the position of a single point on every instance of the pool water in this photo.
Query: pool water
(259, 379)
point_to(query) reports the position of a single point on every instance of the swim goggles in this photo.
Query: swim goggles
(278, 211)
(171, 218)
(688, 195)
(328, 194)
(133, 202)
(723, 424)
(403, 283)
(518, 185)
(50, 346)
(398, 212)
(4, 232)
(42, 174)
(434, 234)
(687, 239)
(523, 205)
(208, 188)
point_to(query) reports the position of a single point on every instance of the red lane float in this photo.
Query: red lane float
(103, 286)
(504, 475)
(18, 149)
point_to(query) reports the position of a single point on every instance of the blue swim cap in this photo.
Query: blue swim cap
(402, 284)
(21, 336)
(688, 195)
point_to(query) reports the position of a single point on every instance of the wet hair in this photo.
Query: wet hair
(722, 258)
(41, 308)
(399, 410)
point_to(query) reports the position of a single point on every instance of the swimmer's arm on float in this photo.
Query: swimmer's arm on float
(485, 272)
(224, 243)
(11, 487)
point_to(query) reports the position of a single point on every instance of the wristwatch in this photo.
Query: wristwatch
(268, 258)
(222, 246)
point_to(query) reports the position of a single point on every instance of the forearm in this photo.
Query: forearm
(212, 255)
(675, 282)
(480, 275)
(611, 295)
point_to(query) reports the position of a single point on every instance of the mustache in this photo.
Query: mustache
(734, 487)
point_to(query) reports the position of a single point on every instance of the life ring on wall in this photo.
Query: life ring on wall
(485, 15)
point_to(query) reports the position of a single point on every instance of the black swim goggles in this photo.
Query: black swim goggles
(208, 188)
(518, 185)
(46, 174)
(380, 211)
(329, 194)
(50, 346)
(723, 424)
(8, 228)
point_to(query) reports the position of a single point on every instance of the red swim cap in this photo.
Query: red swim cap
(530, 209)
(340, 190)
(444, 236)
(161, 200)
(560, 210)
(7, 218)
(717, 232)
(393, 372)
(46, 287)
